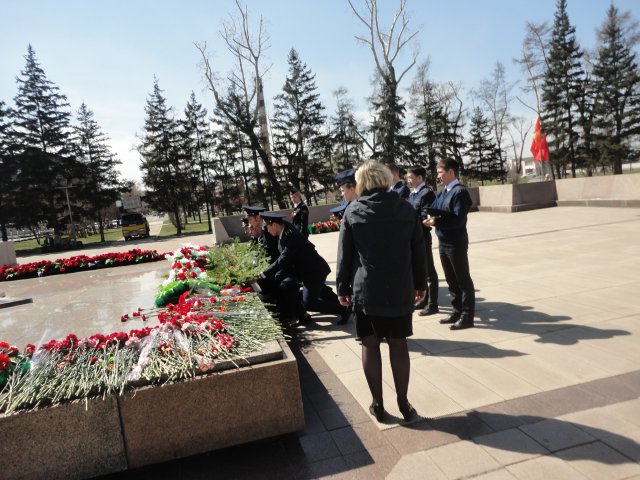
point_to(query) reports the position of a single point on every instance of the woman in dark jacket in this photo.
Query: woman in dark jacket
(381, 274)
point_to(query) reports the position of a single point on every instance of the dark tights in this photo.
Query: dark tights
(372, 365)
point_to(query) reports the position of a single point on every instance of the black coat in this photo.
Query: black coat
(300, 219)
(299, 257)
(381, 255)
(401, 189)
(420, 201)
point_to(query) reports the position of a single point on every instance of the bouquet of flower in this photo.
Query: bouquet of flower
(192, 336)
(196, 269)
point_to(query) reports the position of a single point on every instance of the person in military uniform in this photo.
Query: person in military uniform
(346, 181)
(281, 290)
(300, 214)
(298, 257)
(397, 184)
(258, 231)
(449, 218)
(422, 197)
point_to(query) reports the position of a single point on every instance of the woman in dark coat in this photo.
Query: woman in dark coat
(381, 274)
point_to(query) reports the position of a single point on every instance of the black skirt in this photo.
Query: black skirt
(384, 327)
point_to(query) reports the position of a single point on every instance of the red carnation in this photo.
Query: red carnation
(5, 361)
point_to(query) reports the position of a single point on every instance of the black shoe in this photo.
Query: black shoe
(421, 304)
(377, 410)
(453, 318)
(430, 310)
(306, 318)
(407, 411)
(463, 323)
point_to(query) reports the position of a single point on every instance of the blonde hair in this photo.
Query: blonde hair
(371, 175)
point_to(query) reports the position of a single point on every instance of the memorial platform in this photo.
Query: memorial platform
(546, 386)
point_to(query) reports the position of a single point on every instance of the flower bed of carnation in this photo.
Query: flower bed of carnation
(78, 263)
(193, 334)
(324, 227)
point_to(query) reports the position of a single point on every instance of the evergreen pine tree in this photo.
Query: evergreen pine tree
(7, 172)
(429, 127)
(388, 125)
(346, 139)
(160, 162)
(298, 119)
(102, 184)
(617, 109)
(42, 138)
(482, 150)
(197, 139)
(561, 90)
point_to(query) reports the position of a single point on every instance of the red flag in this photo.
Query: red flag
(539, 147)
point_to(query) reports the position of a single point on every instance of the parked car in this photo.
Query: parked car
(134, 225)
(530, 175)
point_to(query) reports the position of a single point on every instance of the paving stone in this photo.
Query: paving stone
(510, 446)
(597, 461)
(416, 466)
(544, 468)
(318, 446)
(556, 434)
(462, 459)
(502, 474)
(627, 444)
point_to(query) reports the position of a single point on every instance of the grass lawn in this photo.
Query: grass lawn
(192, 227)
(32, 246)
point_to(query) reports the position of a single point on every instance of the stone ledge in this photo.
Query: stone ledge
(153, 424)
(516, 208)
(600, 202)
(211, 412)
(73, 440)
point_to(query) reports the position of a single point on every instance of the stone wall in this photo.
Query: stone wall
(79, 439)
(606, 191)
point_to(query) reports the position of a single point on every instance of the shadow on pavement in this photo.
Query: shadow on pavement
(525, 319)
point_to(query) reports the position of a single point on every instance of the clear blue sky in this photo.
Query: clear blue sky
(107, 53)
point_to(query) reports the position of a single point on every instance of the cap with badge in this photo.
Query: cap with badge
(293, 190)
(346, 177)
(272, 217)
(253, 210)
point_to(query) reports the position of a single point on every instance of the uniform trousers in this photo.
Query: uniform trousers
(313, 292)
(455, 263)
(432, 277)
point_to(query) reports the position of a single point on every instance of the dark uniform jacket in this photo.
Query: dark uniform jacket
(401, 189)
(269, 243)
(300, 219)
(381, 255)
(299, 257)
(420, 200)
(451, 229)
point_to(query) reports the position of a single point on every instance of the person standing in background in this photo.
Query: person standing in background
(453, 204)
(300, 214)
(397, 184)
(422, 197)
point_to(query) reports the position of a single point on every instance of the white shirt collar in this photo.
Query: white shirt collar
(452, 184)
(417, 189)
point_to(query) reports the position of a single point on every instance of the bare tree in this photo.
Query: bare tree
(240, 108)
(495, 93)
(534, 60)
(518, 130)
(386, 46)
